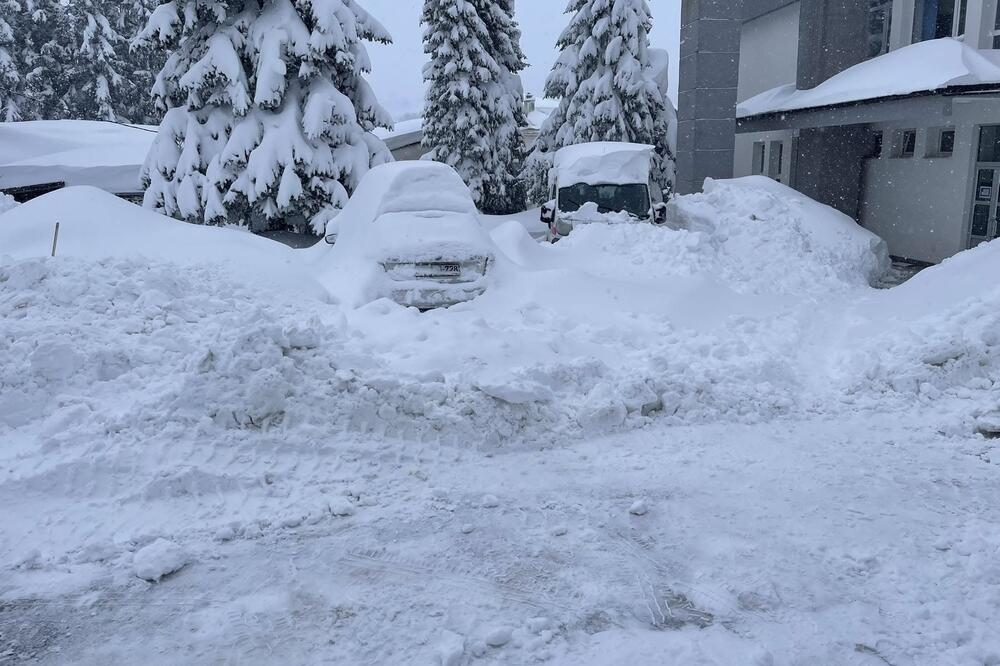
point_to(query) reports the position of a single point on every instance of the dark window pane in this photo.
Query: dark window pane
(945, 19)
(980, 219)
(946, 144)
(962, 10)
(909, 143)
(989, 143)
(996, 40)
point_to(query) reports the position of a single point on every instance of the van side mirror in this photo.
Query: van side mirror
(548, 215)
(660, 213)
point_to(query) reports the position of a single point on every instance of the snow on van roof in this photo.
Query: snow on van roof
(922, 67)
(604, 162)
(78, 152)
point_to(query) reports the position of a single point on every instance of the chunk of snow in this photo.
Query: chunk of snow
(451, 647)
(922, 67)
(499, 636)
(159, 559)
(639, 508)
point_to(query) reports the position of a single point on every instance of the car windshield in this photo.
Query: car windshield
(633, 198)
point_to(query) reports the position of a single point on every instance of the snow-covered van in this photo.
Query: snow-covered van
(602, 182)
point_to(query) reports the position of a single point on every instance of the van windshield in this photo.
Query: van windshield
(632, 198)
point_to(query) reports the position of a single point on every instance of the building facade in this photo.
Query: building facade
(888, 110)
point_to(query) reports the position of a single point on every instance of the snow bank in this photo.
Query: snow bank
(770, 238)
(6, 202)
(77, 152)
(936, 335)
(96, 225)
(603, 163)
(922, 67)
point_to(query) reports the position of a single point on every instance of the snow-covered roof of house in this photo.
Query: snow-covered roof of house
(78, 152)
(923, 67)
(404, 133)
(604, 162)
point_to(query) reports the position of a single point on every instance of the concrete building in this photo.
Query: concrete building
(888, 110)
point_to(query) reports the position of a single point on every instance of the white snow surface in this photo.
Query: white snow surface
(922, 67)
(78, 152)
(603, 163)
(708, 444)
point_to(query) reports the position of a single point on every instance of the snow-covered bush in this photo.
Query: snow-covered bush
(606, 86)
(269, 116)
(473, 108)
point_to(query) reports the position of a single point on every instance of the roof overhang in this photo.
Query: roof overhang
(922, 106)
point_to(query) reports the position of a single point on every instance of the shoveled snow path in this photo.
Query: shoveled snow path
(863, 540)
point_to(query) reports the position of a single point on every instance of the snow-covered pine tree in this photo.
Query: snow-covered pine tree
(473, 110)
(98, 87)
(605, 86)
(269, 117)
(144, 61)
(12, 101)
(49, 51)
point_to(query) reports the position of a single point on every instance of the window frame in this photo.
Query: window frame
(899, 142)
(758, 164)
(935, 136)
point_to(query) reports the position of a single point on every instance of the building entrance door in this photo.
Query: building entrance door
(984, 221)
(984, 204)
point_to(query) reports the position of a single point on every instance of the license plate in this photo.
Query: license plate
(438, 270)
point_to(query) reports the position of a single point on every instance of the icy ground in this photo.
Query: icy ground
(707, 445)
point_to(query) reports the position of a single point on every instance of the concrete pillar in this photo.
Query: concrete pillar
(831, 39)
(709, 72)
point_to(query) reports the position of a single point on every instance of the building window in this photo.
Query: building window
(774, 160)
(879, 25)
(905, 143)
(758, 158)
(940, 142)
(946, 142)
(989, 143)
(934, 19)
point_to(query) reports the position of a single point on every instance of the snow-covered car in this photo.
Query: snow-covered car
(602, 182)
(411, 232)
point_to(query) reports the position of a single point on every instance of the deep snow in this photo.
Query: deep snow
(709, 444)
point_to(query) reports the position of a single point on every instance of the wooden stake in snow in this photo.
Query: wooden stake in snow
(55, 239)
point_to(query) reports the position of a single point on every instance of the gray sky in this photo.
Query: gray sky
(397, 68)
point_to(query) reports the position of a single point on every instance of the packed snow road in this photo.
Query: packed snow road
(712, 445)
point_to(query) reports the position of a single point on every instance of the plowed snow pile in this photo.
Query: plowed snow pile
(697, 444)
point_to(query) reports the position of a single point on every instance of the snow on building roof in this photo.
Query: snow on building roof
(78, 152)
(604, 162)
(922, 67)
(404, 133)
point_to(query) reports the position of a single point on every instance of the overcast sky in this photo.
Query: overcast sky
(396, 76)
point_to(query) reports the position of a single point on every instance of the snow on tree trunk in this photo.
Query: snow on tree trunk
(268, 115)
(473, 109)
(606, 88)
